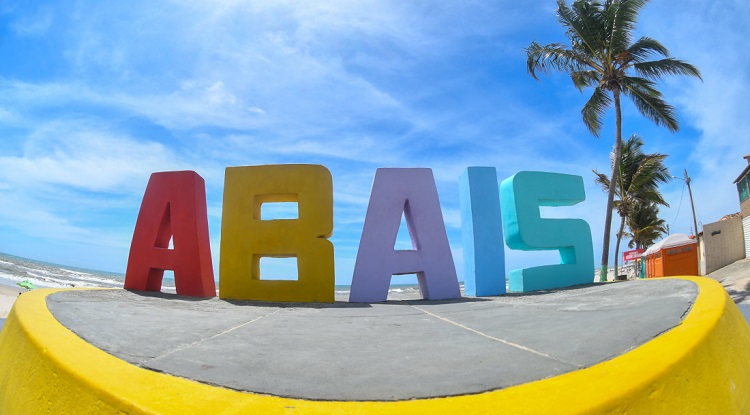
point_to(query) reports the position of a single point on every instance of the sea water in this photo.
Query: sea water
(15, 269)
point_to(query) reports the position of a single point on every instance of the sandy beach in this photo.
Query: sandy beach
(8, 295)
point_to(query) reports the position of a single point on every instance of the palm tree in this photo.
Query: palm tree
(645, 226)
(602, 55)
(637, 181)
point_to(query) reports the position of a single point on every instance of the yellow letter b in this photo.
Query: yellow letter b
(246, 237)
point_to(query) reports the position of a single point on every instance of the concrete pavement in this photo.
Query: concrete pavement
(745, 309)
(397, 350)
(735, 278)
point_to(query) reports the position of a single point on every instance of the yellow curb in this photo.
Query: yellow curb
(700, 366)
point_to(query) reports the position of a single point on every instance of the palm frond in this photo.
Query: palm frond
(594, 110)
(583, 28)
(639, 177)
(652, 166)
(644, 48)
(552, 57)
(602, 180)
(645, 225)
(649, 103)
(586, 78)
(668, 66)
(623, 15)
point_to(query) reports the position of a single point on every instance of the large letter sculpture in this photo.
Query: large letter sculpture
(410, 192)
(522, 194)
(482, 232)
(173, 207)
(245, 237)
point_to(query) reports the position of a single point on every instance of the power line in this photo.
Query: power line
(680, 205)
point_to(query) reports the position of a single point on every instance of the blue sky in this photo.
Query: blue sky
(95, 96)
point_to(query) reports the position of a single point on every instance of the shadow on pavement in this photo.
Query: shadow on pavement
(745, 309)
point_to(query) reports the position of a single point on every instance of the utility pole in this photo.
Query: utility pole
(695, 222)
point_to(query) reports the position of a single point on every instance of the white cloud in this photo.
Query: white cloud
(76, 155)
(18, 212)
(34, 23)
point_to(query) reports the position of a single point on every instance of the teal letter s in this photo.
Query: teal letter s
(524, 229)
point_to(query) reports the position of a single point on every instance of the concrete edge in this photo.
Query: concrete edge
(700, 366)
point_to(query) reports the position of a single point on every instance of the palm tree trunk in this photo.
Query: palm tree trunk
(617, 245)
(612, 186)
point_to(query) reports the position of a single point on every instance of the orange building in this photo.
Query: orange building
(673, 255)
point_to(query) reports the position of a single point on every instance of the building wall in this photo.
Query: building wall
(745, 208)
(724, 243)
(701, 254)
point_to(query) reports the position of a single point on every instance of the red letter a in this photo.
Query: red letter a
(173, 207)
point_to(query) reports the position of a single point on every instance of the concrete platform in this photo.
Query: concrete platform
(662, 346)
(389, 351)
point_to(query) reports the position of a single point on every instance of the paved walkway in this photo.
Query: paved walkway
(396, 350)
(735, 278)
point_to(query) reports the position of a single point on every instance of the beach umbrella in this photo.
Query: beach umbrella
(26, 284)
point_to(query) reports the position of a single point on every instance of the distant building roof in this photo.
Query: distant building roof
(676, 239)
(747, 168)
(731, 216)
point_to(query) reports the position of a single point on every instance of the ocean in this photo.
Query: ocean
(15, 269)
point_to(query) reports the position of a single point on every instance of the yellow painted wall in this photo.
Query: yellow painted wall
(701, 366)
